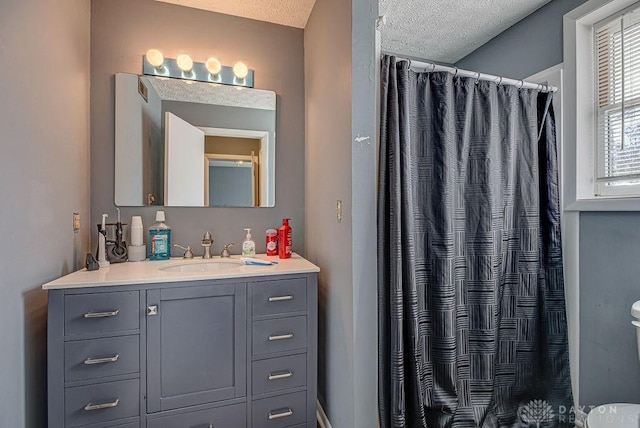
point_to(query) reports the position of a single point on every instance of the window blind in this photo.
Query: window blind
(617, 43)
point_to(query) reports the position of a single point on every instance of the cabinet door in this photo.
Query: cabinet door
(196, 345)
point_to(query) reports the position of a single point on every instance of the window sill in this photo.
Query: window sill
(605, 204)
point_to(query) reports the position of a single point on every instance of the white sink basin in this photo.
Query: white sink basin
(201, 266)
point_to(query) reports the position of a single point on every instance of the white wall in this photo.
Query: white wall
(44, 128)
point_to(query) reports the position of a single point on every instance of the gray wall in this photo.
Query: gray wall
(340, 106)
(123, 30)
(364, 66)
(215, 116)
(229, 185)
(533, 44)
(609, 284)
(609, 250)
(44, 129)
(327, 40)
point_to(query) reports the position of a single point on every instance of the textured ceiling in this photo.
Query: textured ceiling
(447, 30)
(438, 30)
(293, 13)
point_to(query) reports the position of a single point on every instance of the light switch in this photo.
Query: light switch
(339, 211)
(76, 222)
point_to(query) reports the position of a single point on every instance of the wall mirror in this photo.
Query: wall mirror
(193, 144)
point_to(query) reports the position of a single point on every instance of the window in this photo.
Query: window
(601, 107)
(617, 54)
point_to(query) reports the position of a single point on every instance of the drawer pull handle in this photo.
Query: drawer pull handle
(280, 298)
(102, 314)
(90, 361)
(277, 414)
(283, 375)
(102, 406)
(280, 336)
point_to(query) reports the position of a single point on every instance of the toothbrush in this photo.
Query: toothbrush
(257, 262)
(102, 243)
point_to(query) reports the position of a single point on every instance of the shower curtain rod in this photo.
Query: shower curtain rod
(431, 67)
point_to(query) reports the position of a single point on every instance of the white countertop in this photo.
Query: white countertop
(147, 272)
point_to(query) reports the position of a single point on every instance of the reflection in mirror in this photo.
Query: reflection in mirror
(184, 143)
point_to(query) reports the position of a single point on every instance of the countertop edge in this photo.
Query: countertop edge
(149, 274)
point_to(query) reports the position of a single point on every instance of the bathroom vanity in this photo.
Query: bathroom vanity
(178, 343)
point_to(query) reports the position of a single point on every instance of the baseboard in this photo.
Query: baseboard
(323, 421)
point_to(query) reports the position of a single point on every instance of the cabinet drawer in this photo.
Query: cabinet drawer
(284, 334)
(276, 374)
(95, 358)
(102, 402)
(281, 411)
(279, 297)
(233, 416)
(101, 312)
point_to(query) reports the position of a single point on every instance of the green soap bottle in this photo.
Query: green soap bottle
(159, 239)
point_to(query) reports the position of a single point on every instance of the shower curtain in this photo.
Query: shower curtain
(472, 321)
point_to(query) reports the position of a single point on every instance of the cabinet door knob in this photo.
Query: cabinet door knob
(152, 310)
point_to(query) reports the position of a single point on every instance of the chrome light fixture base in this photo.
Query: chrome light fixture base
(198, 72)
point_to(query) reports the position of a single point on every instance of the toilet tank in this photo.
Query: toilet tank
(635, 312)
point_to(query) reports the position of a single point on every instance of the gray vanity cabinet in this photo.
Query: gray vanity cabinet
(196, 345)
(221, 353)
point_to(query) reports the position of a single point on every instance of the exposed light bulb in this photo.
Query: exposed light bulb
(213, 66)
(185, 63)
(240, 70)
(155, 58)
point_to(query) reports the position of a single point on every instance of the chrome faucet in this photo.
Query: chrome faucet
(207, 242)
(225, 251)
(188, 254)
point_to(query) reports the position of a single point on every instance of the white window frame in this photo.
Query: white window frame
(579, 162)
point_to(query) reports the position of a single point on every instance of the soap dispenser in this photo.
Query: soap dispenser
(248, 245)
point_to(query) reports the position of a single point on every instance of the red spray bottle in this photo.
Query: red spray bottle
(284, 240)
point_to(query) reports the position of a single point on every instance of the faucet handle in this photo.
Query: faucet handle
(188, 254)
(225, 251)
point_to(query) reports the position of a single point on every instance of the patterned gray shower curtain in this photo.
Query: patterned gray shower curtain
(472, 321)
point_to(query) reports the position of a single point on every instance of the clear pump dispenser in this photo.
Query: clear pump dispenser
(248, 245)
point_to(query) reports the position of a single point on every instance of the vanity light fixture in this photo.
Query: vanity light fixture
(241, 70)
(213, 66)
(185, 63)
(155, 58)
(183, 67)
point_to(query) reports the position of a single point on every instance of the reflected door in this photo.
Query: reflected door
(184, 151)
